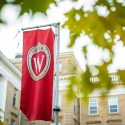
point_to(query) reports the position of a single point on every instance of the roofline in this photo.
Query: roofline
(71, 53)
(10, 65)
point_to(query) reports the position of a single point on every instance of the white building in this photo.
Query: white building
(10, 78)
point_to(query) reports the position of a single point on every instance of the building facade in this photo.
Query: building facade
(9, 91)
(100, 110)
(69, 114)
(108, 110)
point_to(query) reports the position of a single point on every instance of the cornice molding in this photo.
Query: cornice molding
(10, 65)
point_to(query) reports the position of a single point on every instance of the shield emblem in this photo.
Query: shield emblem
(38, 61)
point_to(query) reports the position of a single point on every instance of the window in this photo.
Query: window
(93, 106)
(13, 122)
(75, 106)
(14, 97)
(113, 104)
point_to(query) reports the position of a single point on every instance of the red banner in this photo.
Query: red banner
(37, 74)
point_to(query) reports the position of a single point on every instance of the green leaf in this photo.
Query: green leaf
(121, 73)
(2, 3)
(2, 22)
(34, 6)
(84, 50)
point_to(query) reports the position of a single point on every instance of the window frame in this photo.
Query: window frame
(109, 104)
(13, 122)
(89, 110)
(14, 101)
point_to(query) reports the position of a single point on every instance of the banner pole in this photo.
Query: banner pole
(27, 28)
(57, 42)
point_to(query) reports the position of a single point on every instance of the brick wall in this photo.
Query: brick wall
(104, 117)
(12, 112)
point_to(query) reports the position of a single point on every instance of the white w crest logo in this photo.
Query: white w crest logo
(38, 63)
(38, 66)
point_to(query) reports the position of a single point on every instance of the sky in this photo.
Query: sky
(11, 39)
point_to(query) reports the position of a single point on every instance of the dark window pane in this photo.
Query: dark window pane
(93, 112)
(13, 122)
(93, 108)
(113, 110)
(113, 106)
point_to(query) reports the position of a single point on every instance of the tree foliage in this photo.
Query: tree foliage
(102, 28)
(103, 24)
(1, 123)
(29, 6)
(96, 25)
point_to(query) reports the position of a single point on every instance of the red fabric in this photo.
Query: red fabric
(36, 95)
